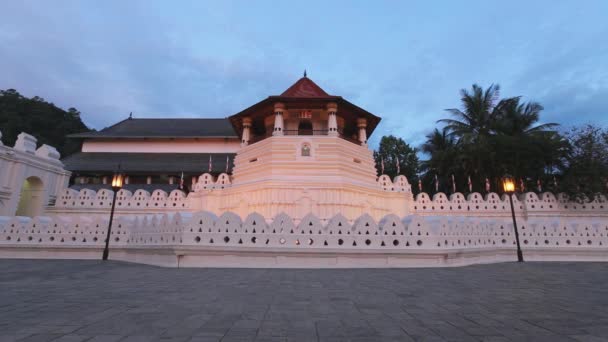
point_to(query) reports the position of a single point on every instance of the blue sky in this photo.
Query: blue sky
(404, 61)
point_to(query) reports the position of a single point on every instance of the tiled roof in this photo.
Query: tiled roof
(164, 128)
(148, 163)
(305, 87)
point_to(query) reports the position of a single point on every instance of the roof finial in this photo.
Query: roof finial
(304, 72)
(131, 115)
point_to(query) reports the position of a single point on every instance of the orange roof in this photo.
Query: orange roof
(305, 87)
(304, 94)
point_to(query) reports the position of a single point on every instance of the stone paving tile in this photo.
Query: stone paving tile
(70, 301)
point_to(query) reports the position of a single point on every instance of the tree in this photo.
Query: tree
(476, 121)
(473, 127)
(441, 146)
(45, 121)
(585, 173)
(444, 160)
(525, 149)
(393, 149)
(493, 137)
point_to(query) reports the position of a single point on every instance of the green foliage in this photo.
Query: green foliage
(48, 123)
(489, 138)
(585, 173)
(392, 149)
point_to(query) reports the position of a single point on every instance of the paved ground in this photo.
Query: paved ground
(95, 301)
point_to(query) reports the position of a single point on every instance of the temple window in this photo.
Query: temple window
(305, 127)
(306, 150)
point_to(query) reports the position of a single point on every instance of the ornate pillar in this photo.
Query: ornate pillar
(279, 108)
(246, 131)
(332, 121)
(362, 124)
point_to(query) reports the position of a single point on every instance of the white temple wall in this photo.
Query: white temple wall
(331, 159)
(219, 195)
(205, 239)
(30, 178)
(269, 198)
(222, 145)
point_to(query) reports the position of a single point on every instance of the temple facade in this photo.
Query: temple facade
(287, 182)
(300, 152)
(153, 153)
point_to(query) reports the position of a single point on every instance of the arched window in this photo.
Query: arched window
(305, 150)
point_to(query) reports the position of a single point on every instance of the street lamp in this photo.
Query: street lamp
(509, 187)
(117, 182)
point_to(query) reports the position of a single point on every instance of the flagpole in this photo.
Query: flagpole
(453, 184)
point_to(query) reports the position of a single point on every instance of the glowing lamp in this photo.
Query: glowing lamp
(508, 185)
(117, 181)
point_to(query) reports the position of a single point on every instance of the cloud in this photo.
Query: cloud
(405, 63)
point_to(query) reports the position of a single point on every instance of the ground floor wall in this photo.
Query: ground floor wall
(271, 198)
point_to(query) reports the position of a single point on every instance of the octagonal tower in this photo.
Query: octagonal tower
(305, 151)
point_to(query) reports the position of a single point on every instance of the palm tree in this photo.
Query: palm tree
(476, 121)
(494, 136)
(443, 161)
(438, 141)
(519, 119)
(473, 128)
(526, 148)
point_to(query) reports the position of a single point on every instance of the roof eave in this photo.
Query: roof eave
(154, 137)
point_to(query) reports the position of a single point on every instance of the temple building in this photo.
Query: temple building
(300, 152)
(154, 153)
(287, 182)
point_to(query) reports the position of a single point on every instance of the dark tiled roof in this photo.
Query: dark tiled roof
(164, 128)
(148, 163)
(131, 187)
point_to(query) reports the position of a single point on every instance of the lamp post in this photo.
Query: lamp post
(509, 187)
(117, 182)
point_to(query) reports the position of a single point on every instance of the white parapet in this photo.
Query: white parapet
(25, 143)
(30, 179)
(47, 152)
(204, 239)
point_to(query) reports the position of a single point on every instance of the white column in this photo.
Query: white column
(246, 131)
(279, 108)
(127, 179)
(104, 180)
(362, 124)
(149, 180)
(171, 179)
(332, 121)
